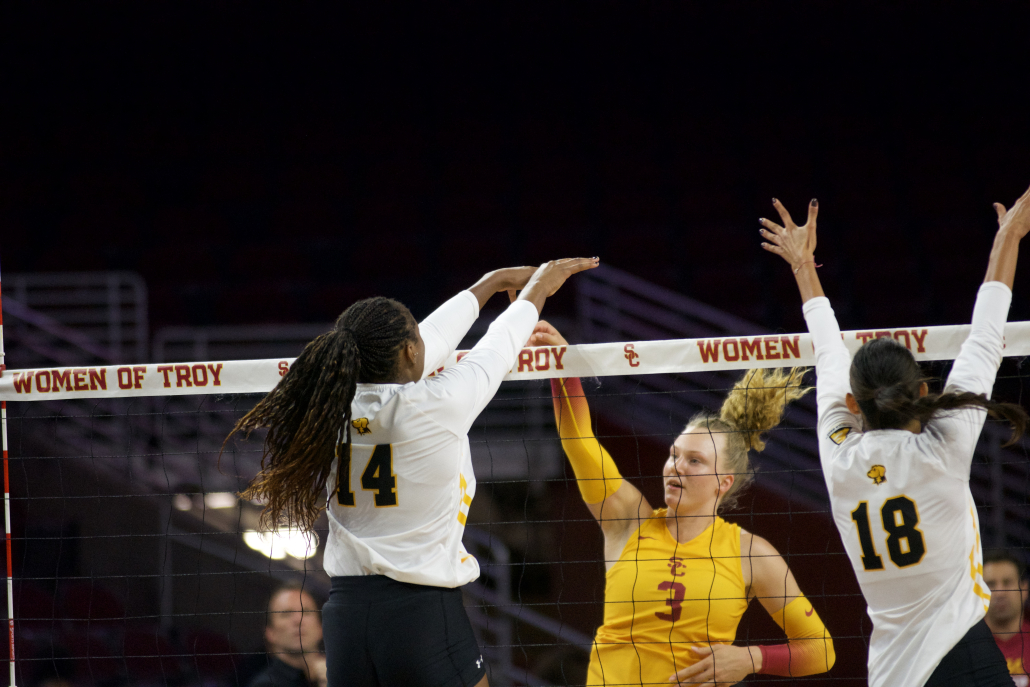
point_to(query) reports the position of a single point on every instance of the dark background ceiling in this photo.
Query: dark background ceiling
(262, 163)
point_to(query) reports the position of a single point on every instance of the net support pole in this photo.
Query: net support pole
(7, 528)
(7, 511)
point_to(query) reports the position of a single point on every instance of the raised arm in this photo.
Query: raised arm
(809, 648)
(977, 364)
(470, 384)
(617, 505)
(796, 245)
(446, 326)
(1013, 225)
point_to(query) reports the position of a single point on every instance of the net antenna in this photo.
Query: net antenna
(7, 509)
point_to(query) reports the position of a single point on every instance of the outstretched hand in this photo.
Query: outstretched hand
(794, 244)
(1017, 219)
(1013, 225)
(719, 664)
(550, 276)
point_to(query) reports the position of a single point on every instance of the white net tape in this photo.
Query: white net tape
(584, 360)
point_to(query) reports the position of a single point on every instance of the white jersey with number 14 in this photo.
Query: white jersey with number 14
(399, 505)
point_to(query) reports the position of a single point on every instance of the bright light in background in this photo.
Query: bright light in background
(277, 545)
(220, 499)
(182, 502)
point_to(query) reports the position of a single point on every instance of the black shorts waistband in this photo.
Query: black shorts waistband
(376, 584)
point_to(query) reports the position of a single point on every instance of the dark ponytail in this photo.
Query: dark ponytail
(885, 381)
(308, 414)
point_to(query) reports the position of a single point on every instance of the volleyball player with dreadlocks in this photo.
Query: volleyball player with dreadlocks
(357, 416)
(896, 460)
(679, 577)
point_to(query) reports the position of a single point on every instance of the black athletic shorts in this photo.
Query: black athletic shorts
(383, 633)
(976, 661)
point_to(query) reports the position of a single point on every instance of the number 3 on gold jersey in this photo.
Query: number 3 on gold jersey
(378, 477)
(904, 540)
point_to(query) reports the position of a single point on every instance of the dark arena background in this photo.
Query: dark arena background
(193, 182)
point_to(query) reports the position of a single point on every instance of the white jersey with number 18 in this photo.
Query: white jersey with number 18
(398, 506)
(902, 504)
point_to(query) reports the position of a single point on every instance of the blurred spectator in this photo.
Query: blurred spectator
(1005, 574)
(293, 636)
(54, 682)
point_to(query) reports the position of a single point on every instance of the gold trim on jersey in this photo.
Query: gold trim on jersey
(977, 569)
(466, 500)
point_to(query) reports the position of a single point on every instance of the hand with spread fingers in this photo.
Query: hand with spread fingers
(720, 664)
(796, 245)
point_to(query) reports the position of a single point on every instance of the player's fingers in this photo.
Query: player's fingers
(1000, 209)
(575, 265)
(770, 226)
(769, 236)
(784, 215)
(698, 671)
(687, 675)
(813, 212)
(773, 249)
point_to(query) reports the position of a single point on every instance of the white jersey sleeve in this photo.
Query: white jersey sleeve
(464, 389)
(445, 327)
(832, 368)
(974, 371)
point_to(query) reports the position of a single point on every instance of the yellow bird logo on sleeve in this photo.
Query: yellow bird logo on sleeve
(361, 424)
(838, 435)
(878, 474)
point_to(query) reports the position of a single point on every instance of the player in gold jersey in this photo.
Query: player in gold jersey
(680, 577)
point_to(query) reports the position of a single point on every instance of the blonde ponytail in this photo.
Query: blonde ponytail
(753, 406)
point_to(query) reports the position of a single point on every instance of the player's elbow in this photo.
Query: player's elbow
(815, 655)
(831, 655)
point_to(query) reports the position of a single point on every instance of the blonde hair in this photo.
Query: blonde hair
(754, 405)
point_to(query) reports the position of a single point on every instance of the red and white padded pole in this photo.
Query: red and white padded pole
(7, 510)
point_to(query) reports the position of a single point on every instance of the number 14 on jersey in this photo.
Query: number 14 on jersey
(378, 476)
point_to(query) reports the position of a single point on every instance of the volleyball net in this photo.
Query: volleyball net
(132, 561)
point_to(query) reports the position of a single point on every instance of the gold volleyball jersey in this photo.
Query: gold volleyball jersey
(663, 597)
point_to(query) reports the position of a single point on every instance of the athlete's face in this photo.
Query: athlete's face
(420, 354)
(411, 363)
(693, 480)
(294, 624)
(1008, 592)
